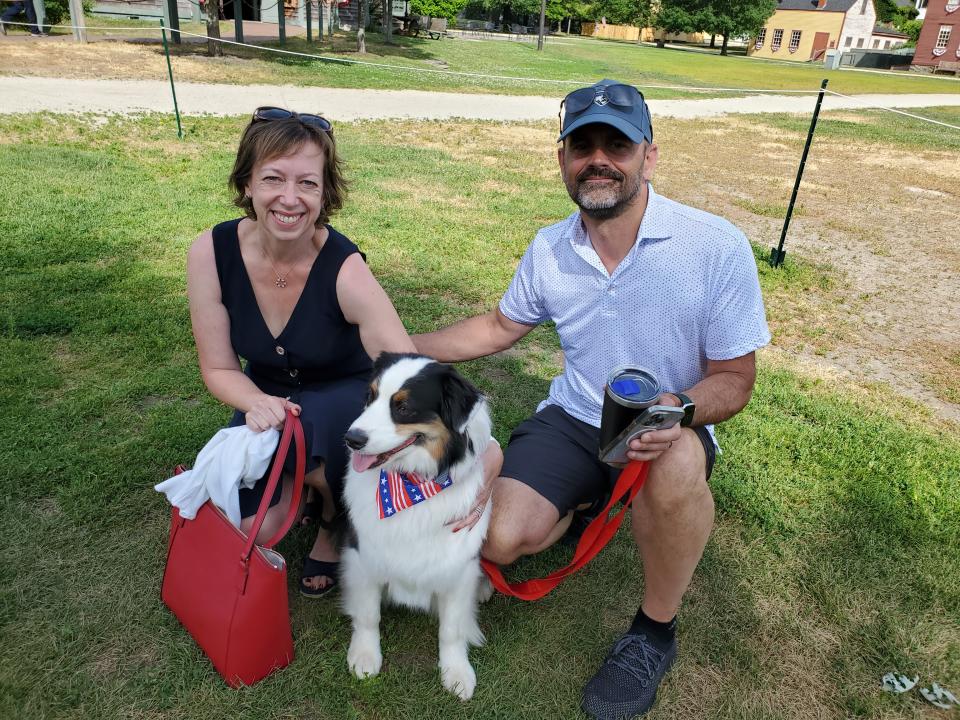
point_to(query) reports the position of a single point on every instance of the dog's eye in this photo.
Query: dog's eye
(402, 408)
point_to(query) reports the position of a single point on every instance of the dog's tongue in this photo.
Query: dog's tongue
(363, 462)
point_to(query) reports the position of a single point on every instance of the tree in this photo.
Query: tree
(734, 18)
(361, 27)
(214, 46)
(912, 28)
(388, 21)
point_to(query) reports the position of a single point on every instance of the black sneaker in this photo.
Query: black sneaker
(626, 684)
(581, 520)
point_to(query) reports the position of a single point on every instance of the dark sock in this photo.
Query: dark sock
(660, 633)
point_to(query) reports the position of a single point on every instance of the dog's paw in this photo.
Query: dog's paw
(364, 658)
(460, 679)
(484, 590)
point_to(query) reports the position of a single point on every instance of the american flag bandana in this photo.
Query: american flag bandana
(397, 491)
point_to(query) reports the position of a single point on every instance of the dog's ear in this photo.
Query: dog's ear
(458, 398)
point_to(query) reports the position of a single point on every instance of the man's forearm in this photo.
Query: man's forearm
(720, 397)
(468, 339)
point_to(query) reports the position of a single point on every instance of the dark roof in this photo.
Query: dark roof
(888, 30)
(831, 5)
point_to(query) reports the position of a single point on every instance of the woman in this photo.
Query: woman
(295, 299)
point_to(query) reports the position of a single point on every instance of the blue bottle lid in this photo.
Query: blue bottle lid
(634, 386)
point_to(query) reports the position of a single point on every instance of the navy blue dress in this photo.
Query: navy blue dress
(317, 360)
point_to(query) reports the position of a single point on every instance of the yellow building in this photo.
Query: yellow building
(804, 30)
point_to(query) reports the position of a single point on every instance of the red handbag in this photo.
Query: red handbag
(230, 593)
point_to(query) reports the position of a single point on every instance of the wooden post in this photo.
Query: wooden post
(171, 19)
(78, 21)
(281, 22)
(41, 13)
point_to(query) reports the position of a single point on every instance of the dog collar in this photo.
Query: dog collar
(398, 491)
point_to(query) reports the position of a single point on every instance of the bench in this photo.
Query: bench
(946, 66)
(437, 28)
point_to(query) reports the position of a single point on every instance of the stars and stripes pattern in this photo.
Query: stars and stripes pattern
(398, 491)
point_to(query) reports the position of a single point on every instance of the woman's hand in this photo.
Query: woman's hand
(492, 461)
(269, 411)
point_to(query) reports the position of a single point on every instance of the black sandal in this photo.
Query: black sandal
(313, 568)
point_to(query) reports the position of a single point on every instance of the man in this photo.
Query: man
(630, 279)
(25, 7)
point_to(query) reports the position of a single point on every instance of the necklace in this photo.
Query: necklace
(281, 281)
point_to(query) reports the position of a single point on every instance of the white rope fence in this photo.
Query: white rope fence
(484, 76)
(894, 110)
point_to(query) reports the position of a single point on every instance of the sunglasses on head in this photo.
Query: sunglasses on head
(274, 113)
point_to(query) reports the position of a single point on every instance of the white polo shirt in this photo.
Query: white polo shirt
(686, 292)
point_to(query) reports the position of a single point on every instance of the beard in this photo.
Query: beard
(607, 200)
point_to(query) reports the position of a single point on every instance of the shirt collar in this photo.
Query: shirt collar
(653, 226)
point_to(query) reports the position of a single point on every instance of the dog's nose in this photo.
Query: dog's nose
(356, 439)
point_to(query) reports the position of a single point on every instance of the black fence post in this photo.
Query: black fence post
(238, 20)
(281, 23)
(309, 9)
(778, 254)
(173, 89)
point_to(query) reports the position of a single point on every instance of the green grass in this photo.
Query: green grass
(575, 59)
(838, 542)
(883, 127)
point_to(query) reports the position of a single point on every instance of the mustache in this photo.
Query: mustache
(595, 171)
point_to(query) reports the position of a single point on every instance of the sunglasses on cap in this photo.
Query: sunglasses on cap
(620, 95)
(262, 114)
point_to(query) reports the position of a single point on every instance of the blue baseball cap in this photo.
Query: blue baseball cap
(612, 103)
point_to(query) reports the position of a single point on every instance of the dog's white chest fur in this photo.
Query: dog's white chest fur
(423, 418)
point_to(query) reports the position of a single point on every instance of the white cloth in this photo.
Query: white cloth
(234, 457)
(687, 291)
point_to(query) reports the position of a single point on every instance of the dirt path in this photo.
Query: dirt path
(71, 95)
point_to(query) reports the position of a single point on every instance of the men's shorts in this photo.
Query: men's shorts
(556, 454)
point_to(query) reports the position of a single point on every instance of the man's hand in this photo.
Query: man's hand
(492, 460)
(651, 445)
(269, 411)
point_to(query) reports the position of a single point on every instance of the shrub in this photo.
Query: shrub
(438, 8)
(58, 11)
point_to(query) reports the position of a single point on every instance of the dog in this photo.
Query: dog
(421, 417)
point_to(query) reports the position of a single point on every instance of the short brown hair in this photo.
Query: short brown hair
(267, 139)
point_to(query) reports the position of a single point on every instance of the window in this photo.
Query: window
(943, 36)
(777, 40)
(761, 36)
(876, 42)
(794, 40)
(886, 44)
(859, 42)
(849, 42)
(863, 7)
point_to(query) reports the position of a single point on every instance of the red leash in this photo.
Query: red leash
(597, 534)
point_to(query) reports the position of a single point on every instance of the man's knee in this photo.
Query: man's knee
(677, 479)
(521, 522)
